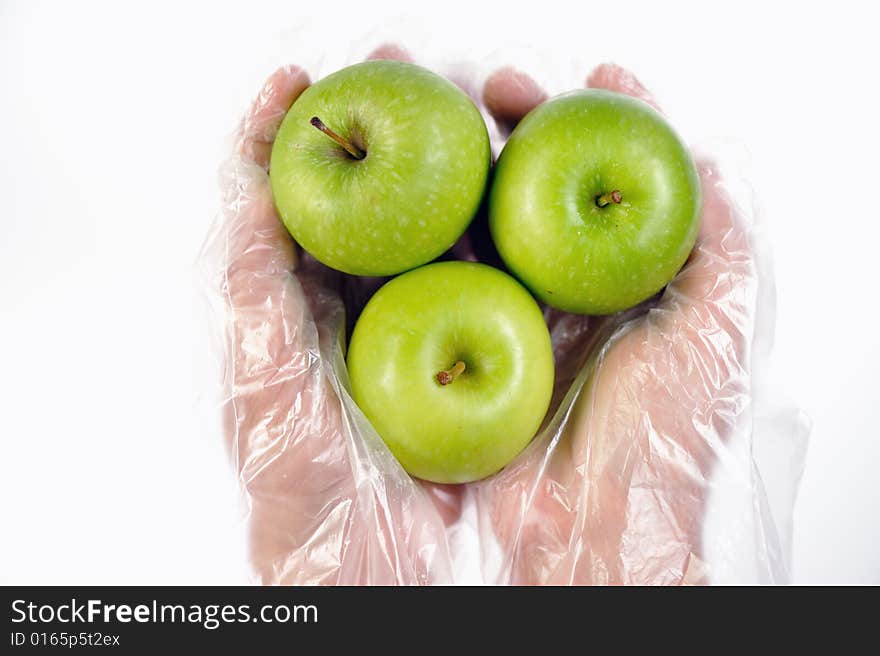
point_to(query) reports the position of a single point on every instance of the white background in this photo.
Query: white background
(114, 119)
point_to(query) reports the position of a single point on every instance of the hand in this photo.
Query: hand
(321, 510)
(615, 492)
(614, 495)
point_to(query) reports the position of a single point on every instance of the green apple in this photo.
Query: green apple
(595, 204)
(380, 167)
(452, 364)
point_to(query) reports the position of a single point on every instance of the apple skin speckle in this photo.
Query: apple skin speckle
(405, 338)
(558, 160)
(412, 196)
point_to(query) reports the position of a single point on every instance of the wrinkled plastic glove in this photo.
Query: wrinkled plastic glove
(612, 489)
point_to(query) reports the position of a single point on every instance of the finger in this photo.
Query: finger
(265, 115)
(721, 265)
(257, 245)
(257, 242)
(510, 94)
(392, 52)
(282, 420)
(722, 231)
(616, 78)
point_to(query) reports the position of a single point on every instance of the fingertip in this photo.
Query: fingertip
(618, 79)
(390, 52)
(510, 94)
(289, 73)
(279, 92)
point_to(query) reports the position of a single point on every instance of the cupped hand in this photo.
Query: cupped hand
(320, 509)
(614, 490)
(611, 491)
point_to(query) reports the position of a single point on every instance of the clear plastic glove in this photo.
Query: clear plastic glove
(613, 488)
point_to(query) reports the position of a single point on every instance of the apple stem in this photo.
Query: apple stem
(446, 377)
(352, 150)
(613, 197)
